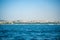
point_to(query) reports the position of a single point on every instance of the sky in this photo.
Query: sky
(29, 9)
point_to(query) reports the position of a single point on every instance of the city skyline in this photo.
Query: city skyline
(29, 9)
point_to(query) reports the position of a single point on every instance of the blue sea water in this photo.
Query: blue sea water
(30, 32)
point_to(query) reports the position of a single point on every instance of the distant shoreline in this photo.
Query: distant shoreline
(29, 22)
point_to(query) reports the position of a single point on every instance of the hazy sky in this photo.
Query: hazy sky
(30, 9)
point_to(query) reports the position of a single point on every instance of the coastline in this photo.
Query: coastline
(26, 22)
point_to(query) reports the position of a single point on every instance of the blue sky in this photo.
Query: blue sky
(29, 9)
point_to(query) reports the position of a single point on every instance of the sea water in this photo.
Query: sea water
(30, 32)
